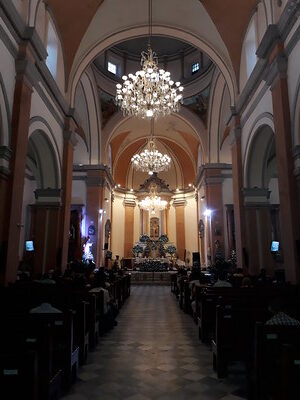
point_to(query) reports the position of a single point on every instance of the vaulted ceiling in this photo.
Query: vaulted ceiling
(230, 17)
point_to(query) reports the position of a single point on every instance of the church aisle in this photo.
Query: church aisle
(153, 353)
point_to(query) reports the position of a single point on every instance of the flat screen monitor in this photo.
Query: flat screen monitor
(274, 247)
(29, 245)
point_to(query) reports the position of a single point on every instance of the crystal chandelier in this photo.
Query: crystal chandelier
(150, 159)
(151, 91)
(153, 202)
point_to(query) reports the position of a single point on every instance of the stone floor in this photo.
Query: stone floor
(153, 354)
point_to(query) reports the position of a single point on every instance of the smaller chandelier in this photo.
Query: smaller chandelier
(151, 160)
(153, 202)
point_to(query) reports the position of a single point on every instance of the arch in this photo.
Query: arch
(185, 115)
(263, 119)
(44, 147)
(42, 154)
(261, 161)
(167, 31)
(5, 116)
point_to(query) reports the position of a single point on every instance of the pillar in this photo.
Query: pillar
(258, 230)
(66, 182)
(179, 205)
(289, 210)
(17, 165)
(238, 198)
(214, 202)
(94, 217)
(45, 220)
(129, 205)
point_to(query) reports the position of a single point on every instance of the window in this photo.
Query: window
(52, 50)
(111, 67)
(195, 67)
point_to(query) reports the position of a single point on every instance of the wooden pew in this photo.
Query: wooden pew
(269, 340)
(19, 373)
(290, 371)
(235, 330)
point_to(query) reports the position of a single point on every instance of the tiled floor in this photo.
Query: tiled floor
(153, 354)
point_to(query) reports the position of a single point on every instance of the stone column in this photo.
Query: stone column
(19, 144)
(45, 220)
(129, 205)
(289, 209)
(238, 198)
(179, 205)
(66, 182)
(258, 230)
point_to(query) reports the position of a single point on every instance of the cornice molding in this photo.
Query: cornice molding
(206, 176)
(104, 177)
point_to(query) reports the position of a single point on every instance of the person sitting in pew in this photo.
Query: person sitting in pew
(278, 308)
(222, 282)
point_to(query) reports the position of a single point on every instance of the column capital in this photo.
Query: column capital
(129, 202)
(256, 196)
(278, 65)
(179, 202)
(48, 196)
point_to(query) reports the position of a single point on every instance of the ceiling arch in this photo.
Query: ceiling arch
(230, 18)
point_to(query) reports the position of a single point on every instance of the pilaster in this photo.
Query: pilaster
(129, 204)
(179, 204)
(277, 79)
(69, 143)
(19, 144)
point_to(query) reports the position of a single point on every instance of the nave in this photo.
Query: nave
(153, 353)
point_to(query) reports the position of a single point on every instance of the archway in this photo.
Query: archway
(261, 198)
(41, 205)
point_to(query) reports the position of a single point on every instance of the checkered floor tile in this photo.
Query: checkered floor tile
(153, 354)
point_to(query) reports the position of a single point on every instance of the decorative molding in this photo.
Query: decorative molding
(203, 178)
(104, 179)
(256, 196)
(177, 202)
(129, 202)
(70, 137)
(33, 37)
(48, 196)
(278, 68)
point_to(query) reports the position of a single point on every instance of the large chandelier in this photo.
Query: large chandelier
(151, 91)
(153, 202)
(150, 159)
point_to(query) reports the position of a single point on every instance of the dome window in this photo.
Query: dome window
(111, 67)
(195, 67)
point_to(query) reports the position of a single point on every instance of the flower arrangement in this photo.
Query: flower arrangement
(163, 239)
(137, 249)
(171, 249)
(144, 238)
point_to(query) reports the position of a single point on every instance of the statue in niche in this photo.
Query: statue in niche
(154, 228)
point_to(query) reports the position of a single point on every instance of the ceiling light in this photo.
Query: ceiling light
(150, 92)
(150, 159)
(153, 202)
